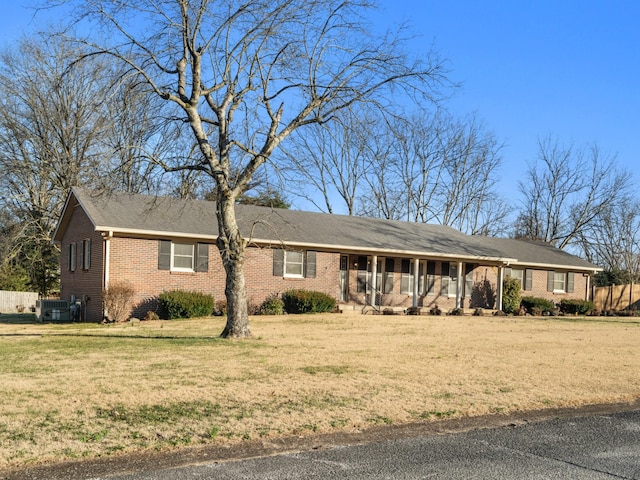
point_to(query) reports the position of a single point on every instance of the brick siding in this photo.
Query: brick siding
(83, 283)
(136, 260)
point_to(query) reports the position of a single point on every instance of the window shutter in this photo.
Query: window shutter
(164, 254)
(389, 268)
(310, 266)
(444, 288)
(278, 262)
(86, 254)
(73, 257)
(528, 279)
(550, 279)
(431, 268)
(202, 260)
(570, 281)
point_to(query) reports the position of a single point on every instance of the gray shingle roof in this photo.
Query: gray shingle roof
(170, 217)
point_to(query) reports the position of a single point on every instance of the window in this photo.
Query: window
(525, 277)
(516, 273)
(86, 254)
(449, 279)
(183, 257)
(468, 280)
(294, 263)
(406, 276)
(71, 257)
(560, 282)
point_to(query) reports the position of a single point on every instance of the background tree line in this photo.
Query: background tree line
(95, 123)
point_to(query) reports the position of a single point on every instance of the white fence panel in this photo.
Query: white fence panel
(12, 302)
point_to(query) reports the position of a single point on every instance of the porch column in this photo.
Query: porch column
(374, 279)
(416, 271)
(459, 285)
(500, 287)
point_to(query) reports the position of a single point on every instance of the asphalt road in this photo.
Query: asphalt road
(595, 446)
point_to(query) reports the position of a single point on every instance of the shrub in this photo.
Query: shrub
(118, 300)
(510, 295)
(478, 312)
(456, 312)
(307, 301)
(537, 306)
(151, 315)
(271, 306)
(413, 311)
(185, 304)
(221, 308)
(435, 310)
(576, 307)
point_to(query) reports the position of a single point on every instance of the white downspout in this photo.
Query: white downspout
(107, 262)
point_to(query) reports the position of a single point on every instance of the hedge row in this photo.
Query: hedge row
(536, 305)
(573, 307)
(185, 304)
(307, 301)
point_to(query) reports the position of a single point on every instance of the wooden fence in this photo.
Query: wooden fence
(13, 302)
(617, 297)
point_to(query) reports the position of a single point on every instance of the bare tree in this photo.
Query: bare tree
(612, 240)
(246, 75)
(63, 125)
(332, 160)
(51, 122)
(136, 139)
(567, 192)
(433, 168)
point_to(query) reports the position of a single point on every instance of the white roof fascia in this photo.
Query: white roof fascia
(551, 266)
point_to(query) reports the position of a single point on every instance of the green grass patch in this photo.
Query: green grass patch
(438, 414)
(171, 413)
(335, 369)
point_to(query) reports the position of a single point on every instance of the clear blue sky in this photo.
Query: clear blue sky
(528, 68)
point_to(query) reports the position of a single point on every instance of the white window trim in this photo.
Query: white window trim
(564, 282)
(301, 263)
(173, 255)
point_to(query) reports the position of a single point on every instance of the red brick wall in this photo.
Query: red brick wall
(136, 260)
(540, 288)
(82, 282)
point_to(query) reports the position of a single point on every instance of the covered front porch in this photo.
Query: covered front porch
(396, 284)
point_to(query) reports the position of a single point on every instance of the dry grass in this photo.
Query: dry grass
(71, 391)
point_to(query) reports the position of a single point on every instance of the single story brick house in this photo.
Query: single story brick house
(160, 244)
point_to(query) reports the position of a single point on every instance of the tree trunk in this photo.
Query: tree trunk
(231, 246)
